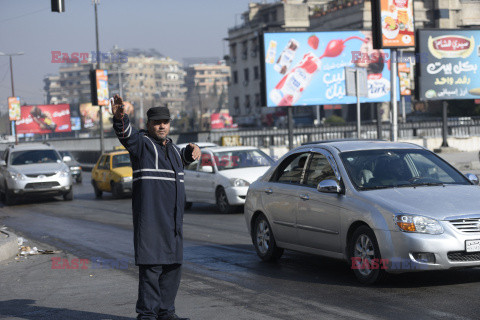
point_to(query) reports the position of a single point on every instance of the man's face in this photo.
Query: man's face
(158, 128)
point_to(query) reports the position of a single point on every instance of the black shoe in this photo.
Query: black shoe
(175, 317)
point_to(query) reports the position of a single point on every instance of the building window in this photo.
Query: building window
(256, 74)
(245, 75)
(254, 49)
(236, 105)
(247, 103)
(257, 100)
(265, 17)
(235, 77)
(233, 52)
(244, 50)
(273, 15)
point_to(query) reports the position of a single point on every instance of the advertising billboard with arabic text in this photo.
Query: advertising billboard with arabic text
(44, 119)
(450, 70)
(308, 68)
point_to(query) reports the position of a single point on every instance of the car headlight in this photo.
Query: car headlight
(126, 179)
(239, 182)
(64, 173)
(75, 168)
(16, 175)
(420, 224)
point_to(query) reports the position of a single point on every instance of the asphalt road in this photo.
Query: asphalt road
(222, 277)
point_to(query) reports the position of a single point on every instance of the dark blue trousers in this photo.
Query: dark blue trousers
(157, 289)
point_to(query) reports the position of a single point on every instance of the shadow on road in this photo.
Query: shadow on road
(242, 260)
(26, 309)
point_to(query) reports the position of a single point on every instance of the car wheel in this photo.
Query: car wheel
(264, 241)
(222, 201)
(98, 192)
(69, 195)
(188, 205)
(116, 190)
(79, 179)
(10, 198)
(365, 256)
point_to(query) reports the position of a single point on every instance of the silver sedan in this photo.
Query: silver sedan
(380, 206)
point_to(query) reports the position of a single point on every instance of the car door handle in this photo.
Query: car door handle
(268, 191)
(304, 197)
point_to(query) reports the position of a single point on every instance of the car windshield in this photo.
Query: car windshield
(241, 159)
(19, 158)
(377, 169)
(121, 160)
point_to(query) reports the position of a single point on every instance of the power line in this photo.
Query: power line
(24, 15)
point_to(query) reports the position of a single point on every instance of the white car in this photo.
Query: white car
(201, 145)
(223, 174)
(33, 169)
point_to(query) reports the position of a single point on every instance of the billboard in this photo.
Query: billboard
(76, 123)
(310, 69)
(14, 108)
(42, 119)
(221, 120)
(99, 87)
(451, 61)
(392, 24)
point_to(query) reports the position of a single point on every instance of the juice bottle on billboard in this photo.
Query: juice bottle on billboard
(286, 57)
(291, 87)
(43, 119)
(271, 52)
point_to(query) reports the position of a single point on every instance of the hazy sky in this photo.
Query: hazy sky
(178, 29)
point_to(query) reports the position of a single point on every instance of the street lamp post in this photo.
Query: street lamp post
(13, 88)
(100, 108)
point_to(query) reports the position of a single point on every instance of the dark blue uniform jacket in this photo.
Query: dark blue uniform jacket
(158, 197)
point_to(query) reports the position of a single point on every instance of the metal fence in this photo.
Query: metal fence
(279, 137)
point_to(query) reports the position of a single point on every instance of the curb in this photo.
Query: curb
(8, 245)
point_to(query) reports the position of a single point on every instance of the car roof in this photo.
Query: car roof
(114, 152)
(199, 144)
(236, 148)
(356, 145)
(30, 146)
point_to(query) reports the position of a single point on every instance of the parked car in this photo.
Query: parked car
(72, 163)
(223, 174)
(33, 169)
(381, 206)
(113, 173)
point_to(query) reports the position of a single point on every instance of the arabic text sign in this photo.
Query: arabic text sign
(305, 68)
(44, 119)
(452, 62)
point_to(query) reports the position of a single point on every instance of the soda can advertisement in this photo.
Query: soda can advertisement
(42, 119)
(14, 108)
(310, 69)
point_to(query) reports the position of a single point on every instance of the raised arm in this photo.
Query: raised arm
(129, 137)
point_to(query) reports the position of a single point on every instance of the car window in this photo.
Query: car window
(121, 160)
(318, 170)
(205, 161)
(373, 169)
(106, 164)
(100, 162)
(236, 159)
(25, 157)
(291, 169)
(192, 166)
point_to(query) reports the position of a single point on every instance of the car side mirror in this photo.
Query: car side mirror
(473, 178)
(2, 163)
(329, 186)
(207, 169)
(67, 159)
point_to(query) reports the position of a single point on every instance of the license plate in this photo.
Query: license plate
(472, 245)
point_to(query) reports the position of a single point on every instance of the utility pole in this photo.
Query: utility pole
(100, 108)
(13, 127)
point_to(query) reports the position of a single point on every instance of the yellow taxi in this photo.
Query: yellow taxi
(113, 173)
